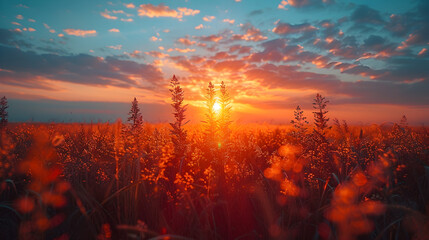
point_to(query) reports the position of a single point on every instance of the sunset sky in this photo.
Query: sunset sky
(86, 60)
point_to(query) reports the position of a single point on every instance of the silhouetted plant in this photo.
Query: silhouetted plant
(135, 116)
(3, 112)
(178, 133)
(211, 125)
(225, 112)
(404, 123)
(299, 122)
(320, 118)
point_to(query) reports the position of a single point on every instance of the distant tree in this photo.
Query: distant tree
(299, 122)
(3, 112)
(178, 133)
(210, 122)
(404, 121)
(135, 117)
(320, 118)
(225, 111)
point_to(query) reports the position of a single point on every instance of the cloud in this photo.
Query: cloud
(209, 18)
(135, 54)
(181, 50)
(153, 11)
(80, 33)
(31, 20)
(106, 14)
(49, 28)
(199, 27)
(184, 63)
(423, 52)
(185, 41)
(240, 49)
(21, 5)
(155, 39)
(114, 30)
(19, 17)
(127, 20)
(366, 15)
(232, 65)
(156, 54)
(129, 5)
(31, 70)
(15, 23)
(211, 38)
(230, 21)
(188, 11)
(286, 28)
(304, 3)
(13, 39)
(251, 34)
(116, 47)
(122, 12)
(223, 56)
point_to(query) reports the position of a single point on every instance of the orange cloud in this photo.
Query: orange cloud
(117, 47)
(106, 14)
(209, 18)
(185, 41)
(181, 50)
(185, 50)
(211, 38)
(156, 54)
(122, 12)
(188, 11)
(15, 23)
(286, 28)
(154, 39)
(230, 21)
(129, 5)
(80, 33)
(134, 54)
(252, 34)
(423, 51)
(19, 17)
(199, 27)
(152, 11)
(114, 30)
(127, 19)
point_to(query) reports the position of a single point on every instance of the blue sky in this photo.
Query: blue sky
(368, 56)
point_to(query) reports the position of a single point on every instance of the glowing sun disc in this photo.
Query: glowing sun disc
(216, 107)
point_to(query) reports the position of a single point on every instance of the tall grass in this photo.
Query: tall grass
(108, 181)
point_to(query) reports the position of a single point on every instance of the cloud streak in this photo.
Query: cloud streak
(161, 10)
(32, 70)
(80, 33)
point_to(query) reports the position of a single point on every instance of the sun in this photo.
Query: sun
(216, 107)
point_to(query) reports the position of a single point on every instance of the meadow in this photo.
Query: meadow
(120, 181)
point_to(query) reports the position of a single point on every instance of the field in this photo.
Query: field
(114, 181)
